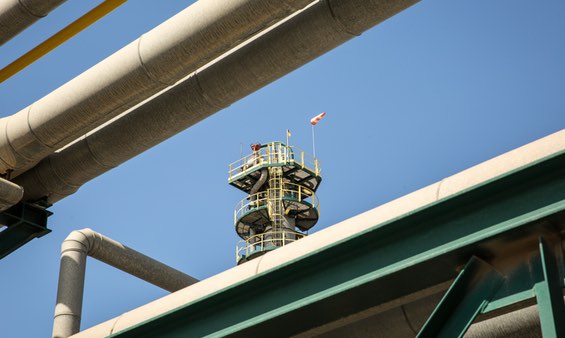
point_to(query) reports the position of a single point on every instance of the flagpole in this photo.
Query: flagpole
(313, 122)
(313, 143)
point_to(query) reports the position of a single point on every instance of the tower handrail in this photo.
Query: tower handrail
(274, 153)
(249, 203)
(262, 242)
(291, 191)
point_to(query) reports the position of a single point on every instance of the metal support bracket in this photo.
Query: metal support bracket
(548, 291)
(465, 299)
(479, 288)
(24, 222)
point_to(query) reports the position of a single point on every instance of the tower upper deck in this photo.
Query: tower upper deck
(298, 166)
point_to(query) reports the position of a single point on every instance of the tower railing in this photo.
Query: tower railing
(266, 241)
(274, 153)
(289, 191)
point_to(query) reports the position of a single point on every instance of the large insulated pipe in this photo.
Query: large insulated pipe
(149, 64)
(86, 242)
(310, 33)
(17, 15)
(522, 323)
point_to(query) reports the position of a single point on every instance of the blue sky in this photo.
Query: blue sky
(436, 89)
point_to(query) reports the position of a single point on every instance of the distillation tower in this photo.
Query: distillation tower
(281, 205)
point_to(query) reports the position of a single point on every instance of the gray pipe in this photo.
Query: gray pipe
(10, 194)
(522, 323)
(290, 44)
(262, 179)
(86, 242)
(149, 64)
(17, 15)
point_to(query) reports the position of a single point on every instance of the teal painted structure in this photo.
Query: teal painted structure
(23, 222)
(505, 233)
(478, 285)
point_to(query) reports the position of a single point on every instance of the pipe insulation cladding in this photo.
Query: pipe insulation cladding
(17, 15)
(285, 47)
(156, 60)
(10, 194)
(86, 242)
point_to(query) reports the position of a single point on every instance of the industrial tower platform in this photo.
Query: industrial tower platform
(281, 205)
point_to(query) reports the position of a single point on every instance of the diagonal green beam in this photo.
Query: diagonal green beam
(549, 295)
(464, 300)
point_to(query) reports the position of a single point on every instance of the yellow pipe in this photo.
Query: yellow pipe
(59, 38)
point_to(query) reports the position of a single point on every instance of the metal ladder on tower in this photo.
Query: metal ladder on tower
(275, 204)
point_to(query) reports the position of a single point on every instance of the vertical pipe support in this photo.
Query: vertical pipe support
(70, 290)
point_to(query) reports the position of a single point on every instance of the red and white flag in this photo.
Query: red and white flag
(317, 118)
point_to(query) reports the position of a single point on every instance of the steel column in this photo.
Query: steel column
(548, 293)
(475, 291)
